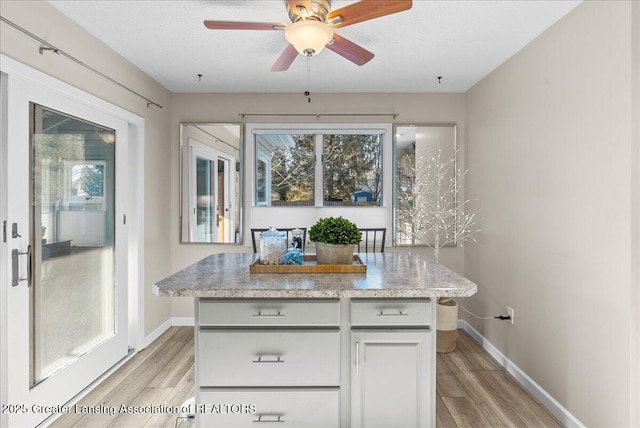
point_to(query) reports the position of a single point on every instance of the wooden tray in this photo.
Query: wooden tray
(310, 266)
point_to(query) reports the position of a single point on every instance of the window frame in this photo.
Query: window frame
(262, 157)
(319, 131)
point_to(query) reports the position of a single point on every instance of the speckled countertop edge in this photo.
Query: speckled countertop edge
(389, 275)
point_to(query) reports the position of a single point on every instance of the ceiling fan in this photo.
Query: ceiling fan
(312, 28)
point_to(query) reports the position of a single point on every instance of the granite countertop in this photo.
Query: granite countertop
(388, 275)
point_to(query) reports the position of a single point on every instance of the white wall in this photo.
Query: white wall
(41, 19)
(548, 144)
(634, 333)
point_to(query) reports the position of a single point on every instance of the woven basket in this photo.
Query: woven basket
(447, 325)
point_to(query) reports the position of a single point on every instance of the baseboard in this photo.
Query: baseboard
(182, 321)
(148, 340)
(175, 321)
(529, 384)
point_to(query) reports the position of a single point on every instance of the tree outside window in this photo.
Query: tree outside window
(292, 170)
(286, 169)
(352, 169)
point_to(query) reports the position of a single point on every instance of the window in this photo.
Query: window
(352, 169)
(285, 169)
(85, 184)
(349, 174)
(263, 181)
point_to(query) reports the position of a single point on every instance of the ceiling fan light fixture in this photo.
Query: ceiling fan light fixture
(309, 37)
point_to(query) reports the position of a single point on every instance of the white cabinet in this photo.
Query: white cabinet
(391, 379)
(392, 363)
(315, 362)
(268, 362)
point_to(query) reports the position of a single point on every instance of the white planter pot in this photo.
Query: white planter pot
(331, 254)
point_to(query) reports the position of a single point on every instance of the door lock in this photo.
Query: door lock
(14, 231)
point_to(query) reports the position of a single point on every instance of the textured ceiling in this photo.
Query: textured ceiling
(462, 41)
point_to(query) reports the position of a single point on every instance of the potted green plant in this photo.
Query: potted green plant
(334, 239)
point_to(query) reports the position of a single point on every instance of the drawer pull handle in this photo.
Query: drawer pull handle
(261, 315)
(399, 314)
(261, 361)
(260, 419)
(357, 358)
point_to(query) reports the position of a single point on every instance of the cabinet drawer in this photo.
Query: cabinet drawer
(268, 312)
(269, 358)
(391, 312)
(289, 408)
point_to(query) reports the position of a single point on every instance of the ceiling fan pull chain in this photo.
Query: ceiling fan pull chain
(307, 93)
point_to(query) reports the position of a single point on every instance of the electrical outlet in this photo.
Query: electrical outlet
(511, 313)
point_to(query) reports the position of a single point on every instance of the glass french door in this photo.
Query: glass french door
(73, 239)
(209, 198)
(67, 300)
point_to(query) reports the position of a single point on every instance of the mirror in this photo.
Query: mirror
(211, 183)
(426, 185)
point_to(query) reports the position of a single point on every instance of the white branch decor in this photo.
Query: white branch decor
(428, 211)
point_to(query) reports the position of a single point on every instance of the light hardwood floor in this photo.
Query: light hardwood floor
(472, 389)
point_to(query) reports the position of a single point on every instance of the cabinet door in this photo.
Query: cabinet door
(391, 379)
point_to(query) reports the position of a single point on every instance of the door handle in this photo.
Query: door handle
(269, 419)
(261, 315)
(397, 314)
(15, 267)
(261, 361)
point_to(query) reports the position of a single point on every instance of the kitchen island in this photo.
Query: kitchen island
(316, 350)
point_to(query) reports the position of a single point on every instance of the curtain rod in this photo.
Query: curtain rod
(217, 139)
(49, 47)
(318, 115)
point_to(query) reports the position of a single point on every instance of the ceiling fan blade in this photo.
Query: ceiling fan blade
(285, 59)
(346, 48)
(365, 10)
(233, 25)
